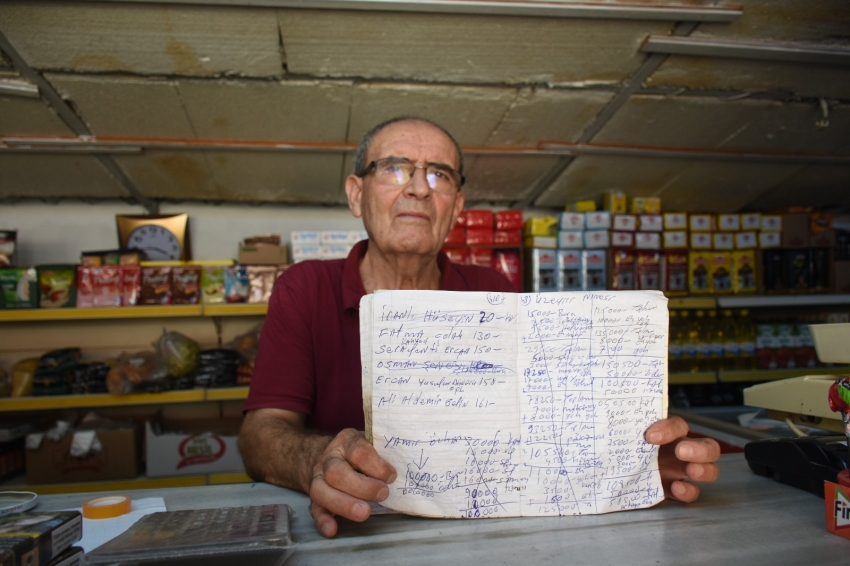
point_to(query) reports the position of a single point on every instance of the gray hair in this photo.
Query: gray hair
(360, 162)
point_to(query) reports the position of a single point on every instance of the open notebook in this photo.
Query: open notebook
(502, 404)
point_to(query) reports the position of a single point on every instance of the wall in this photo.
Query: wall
(57, 233)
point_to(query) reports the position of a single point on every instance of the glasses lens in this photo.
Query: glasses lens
(394, 171)
(441, 179)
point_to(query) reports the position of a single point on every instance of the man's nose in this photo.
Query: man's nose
(418, 185)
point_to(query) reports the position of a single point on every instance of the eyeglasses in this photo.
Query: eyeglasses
(398, 171)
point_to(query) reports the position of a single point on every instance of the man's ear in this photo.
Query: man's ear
(354, 190)
(460, 199)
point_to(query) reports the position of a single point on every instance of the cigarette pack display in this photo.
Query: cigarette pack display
(624, 222)
(649, 271)
(728, 222)
(572, 239)
(507, 237)
(622, 239)
(720, 276)
(508, 220)
(236, 284)
(455, 237)
(582, 206)
(542, 266)
(481, 256)
(34, 538)
(744, 271)
(57, 285)
(773, 264)
(746, 240)
(186, 285)
(600, 220)
(571, 221)
(675, 220)
(701, 240)
(614, 202)
(723, 241)
(675, 270)
(131, 285)
(770, 239)
(508, 263)
(637, 205)
(648, 241)
(699, 264)
(652, 205)
(545, 226)
(18, 288)
(701, 222)
(547, 242)
(751, 221)
(595, 272)
(212, 284)
(106, 284)
(457, 255)
(797, 266)
(570, 272)
(675, 240)
(305, 237)
(479, 236)
(771, 223)
(623, 266)
(651, 223)
(156, 286)
(597, 239)
(478, 219)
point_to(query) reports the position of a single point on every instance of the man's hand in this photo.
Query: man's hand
(346, 476)
(683, 460)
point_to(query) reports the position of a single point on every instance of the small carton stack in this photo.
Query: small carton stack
(479, 234)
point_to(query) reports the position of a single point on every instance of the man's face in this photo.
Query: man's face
(413, 218)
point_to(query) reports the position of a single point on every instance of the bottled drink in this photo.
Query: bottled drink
(714, 334)
(674, 344)
(746, 341)
(699, 337)
(689, 346)
(731, 347)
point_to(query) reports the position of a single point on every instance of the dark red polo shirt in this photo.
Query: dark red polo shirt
(309, 356)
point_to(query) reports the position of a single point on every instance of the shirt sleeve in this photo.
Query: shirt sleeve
(284, 370)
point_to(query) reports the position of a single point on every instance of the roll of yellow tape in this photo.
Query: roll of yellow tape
(106, 507)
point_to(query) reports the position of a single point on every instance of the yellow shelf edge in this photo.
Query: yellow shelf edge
(116, 485)
(701, 378)
(100, 400)
(236, 310)
(24, 315)
(691, 303)
(775, 374)
(227, 394)
(226, 478)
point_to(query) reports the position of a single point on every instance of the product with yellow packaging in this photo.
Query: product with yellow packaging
(720, 272)
(698, 270)
(545, 226)
(744, 271)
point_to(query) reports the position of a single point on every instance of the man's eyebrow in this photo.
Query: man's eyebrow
(429, 163)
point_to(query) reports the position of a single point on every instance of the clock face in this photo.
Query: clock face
(157, 242)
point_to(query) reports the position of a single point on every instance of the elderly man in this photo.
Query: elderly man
(304, 411)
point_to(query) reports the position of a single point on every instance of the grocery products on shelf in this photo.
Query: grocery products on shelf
(490, 239)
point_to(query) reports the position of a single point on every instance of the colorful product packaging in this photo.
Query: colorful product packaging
(594, 264)
(481, 256)
(623, 267)
(614, 202)
(699, 265)
(545, 226)
(624, 222)
(236, 284)
(212, 284)
(675, 239)
(542, 266)
(797, 267)
(729, 222)
(57, 285)
(507, 237)
(508, 220)
(156, 286)
(599, 220)
(701, 222)
(186, 284)
(456, 237)
(479, 236)
(597, 239)
(751, 221)
(649, 271)
(261, 280)
(8, 243)
(570, 273)
(572, 239)
(582, 206)
(675, 220)
(723, 241)
(18, 288)
(675, 269)
(571, 221)
(131, 285)
(720, 276)
(744, 271)
(106, 286)
(457, 255)
(478, 219)
(648, 240)
(622, 239)
(651, 223)
(508, 264)
(746, 240)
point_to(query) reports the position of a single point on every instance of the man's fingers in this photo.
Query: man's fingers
(335, 502)
(340, 475)
(364, 458)
(667, 430)
(682, 491)
(325, 522)
(699, 450)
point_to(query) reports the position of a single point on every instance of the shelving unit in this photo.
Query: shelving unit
(167, 311)
(140, 482)
(197, 395)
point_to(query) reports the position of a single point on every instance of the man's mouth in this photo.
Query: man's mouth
(414, 215)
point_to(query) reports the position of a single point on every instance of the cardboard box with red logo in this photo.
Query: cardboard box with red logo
(176, 447)
(837, 506)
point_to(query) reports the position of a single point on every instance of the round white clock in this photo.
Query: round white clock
(157, 242)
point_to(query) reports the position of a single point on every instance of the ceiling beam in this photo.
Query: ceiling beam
(760, 50)
(58, 104)
(618, 10)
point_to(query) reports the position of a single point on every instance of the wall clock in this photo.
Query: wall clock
(161, 237)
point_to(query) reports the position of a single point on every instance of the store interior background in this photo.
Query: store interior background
(247, 76)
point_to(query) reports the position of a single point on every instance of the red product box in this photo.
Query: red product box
(456, 237)
(508, 264)
(106, 286)
(457, 255)
(507, 237)
(131, 284)
(508, 220)
(481, 256)
(156, 286)
(84, 287)
(478, 219)
(479, 236)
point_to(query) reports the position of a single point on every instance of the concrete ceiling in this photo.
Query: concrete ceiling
(197, 97)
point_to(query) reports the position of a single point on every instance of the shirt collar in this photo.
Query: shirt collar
(352, 284)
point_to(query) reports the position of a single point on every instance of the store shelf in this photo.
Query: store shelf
(782, 301)
(700, 378)
(140, 482)
(236, 310)
(100, 400)
(100, 313)
(227, 394)
(774, 374)
(691, 303)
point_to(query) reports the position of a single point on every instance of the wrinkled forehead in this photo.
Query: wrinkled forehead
(417, 141)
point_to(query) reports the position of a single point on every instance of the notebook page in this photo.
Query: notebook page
(444, 400)
(594, 377)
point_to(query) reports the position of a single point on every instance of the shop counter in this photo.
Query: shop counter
(741, 519)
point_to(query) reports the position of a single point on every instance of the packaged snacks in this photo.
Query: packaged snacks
(8, 242)
(156, 286)
(139, 371)
(178, 353)
(236, 284)
(217, 368)
(186, 285)
(131, 285)
(261, 280)
(212, 284)
(57, 285)
(106, 284)
(18, 288)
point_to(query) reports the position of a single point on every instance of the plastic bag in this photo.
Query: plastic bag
(246, 344)
(22, 377)
(140, 371)
(178, 353)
